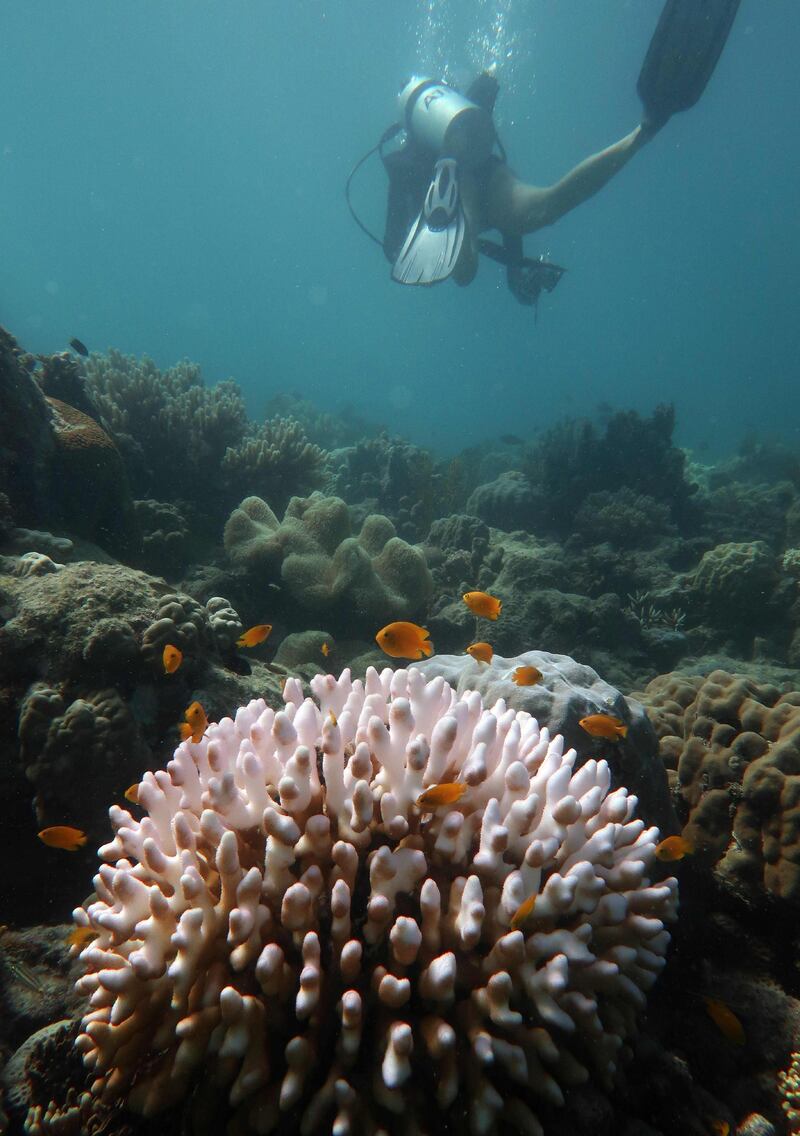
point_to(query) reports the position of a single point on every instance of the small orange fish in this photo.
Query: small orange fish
(522, 912)
(326, 649)
(725, 1020)
(132, 793)
(171, 658)
(445, 794)
(482, 652)
(195, 725)
(403, 640)
(604, 726)
(254, 635)
(63, 836)
(719, 1127)
(481, 603)
(80, 936)
(673, 848)
(526, 676)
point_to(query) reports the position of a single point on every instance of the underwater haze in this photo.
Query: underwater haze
(172, 184)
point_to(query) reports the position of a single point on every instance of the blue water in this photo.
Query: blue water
(171, 183)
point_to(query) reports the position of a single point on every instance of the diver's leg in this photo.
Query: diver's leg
(467, 263)
(516, 207)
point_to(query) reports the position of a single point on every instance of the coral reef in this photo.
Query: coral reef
(61, 377)
(623, 518)
(331, 431)
(574, 459)
(455, 549)
(94, 739)
(359, 581)
(165, 532)
(85, 455)
(508, 503)
(336, 952)
(83, 695)
(393, 477)
(26, 440)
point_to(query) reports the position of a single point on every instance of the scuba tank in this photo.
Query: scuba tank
(446, 123)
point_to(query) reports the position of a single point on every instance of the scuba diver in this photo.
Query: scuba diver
(447, 183)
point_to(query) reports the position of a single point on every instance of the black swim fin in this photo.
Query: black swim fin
(682, 55)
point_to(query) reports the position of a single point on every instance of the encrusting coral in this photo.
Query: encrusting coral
(328, 911)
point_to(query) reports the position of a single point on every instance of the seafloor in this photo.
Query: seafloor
(140, 509)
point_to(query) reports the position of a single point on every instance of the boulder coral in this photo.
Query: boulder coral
(734, 582)
(368, 579)
(67, 744)
(732, 749)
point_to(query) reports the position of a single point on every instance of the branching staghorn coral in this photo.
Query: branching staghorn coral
(275, 462)
(172, 429)
(382, 902)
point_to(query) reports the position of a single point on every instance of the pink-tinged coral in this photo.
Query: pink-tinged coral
(288, 922)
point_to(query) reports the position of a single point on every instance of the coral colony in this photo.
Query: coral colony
(292, 920)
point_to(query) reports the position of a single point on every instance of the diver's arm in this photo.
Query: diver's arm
(516, 207)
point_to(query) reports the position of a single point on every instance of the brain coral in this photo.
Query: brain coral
(375, 576)
(733, 748)
(86, 456)
(288, 919)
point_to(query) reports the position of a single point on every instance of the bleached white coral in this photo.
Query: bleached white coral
(287, 919)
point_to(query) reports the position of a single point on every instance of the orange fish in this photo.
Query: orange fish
(196, 723)
(445, 794)
(481, 603)
(80, 936)
(725, 1020)
(481, 651)
(526, 676)
(604, 726)
(326, 649)
(719, 1127)
(403, 640)
(673, 848)
(171, 658)
(132, 793)
(63, 836)
(522, 912)
(254, 635)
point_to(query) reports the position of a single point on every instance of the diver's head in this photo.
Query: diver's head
(441, 120)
